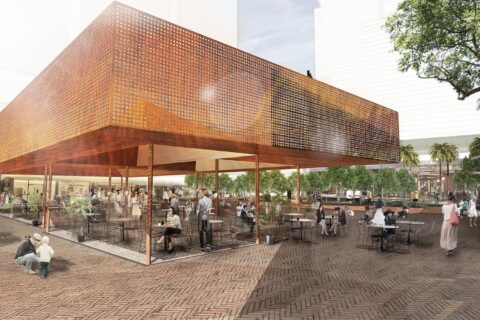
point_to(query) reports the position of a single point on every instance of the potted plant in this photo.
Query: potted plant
(79, 206)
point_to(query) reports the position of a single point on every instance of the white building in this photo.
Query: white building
(354, 52)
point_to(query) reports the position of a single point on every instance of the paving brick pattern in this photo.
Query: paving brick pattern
(326, 279)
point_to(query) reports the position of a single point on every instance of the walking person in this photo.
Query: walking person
(448, 235)
(46, 254)
(203, 210)
(472, 212)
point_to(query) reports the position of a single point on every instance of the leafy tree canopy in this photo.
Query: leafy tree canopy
(439, 40)
(408, 156)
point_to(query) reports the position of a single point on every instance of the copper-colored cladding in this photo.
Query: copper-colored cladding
(132, 79)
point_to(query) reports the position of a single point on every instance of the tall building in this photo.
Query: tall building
(354, 52)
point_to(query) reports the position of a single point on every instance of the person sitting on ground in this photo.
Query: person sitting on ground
(25, 254)
(176, 228)
(46, 255)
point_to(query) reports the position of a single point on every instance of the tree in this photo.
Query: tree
(363, 178)
(190, 180)
(315, 181)
(439, 40)
(339, 178)
(273, 180)
(475, 147)
(408, 156)
(245, 182)
(444, 152)
(406, 182)
(469, 174)
(292, 182)
(386, 180)
(225, 183)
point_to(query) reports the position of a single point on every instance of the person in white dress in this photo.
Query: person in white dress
(448, 235)
(472, 212)
(135, 203)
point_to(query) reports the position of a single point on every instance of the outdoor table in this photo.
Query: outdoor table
(302, 220)
(329, 217)
(122, 224)
(213, 221)
(293, 214)
(384, 227)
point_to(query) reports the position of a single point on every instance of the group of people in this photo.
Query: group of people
(339, 217)
(357, 197)
(27, 251)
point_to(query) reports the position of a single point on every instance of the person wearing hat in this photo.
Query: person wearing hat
(25, 255)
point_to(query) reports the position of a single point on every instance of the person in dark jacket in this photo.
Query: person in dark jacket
(25, 254)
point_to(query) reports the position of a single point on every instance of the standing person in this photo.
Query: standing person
(349, 195)
(448, 235)
(289, 195)
(379, 217)
(25, 254)
(46, 254)
(203, 209)
(174, 203)
(369, 197)
(472, 212)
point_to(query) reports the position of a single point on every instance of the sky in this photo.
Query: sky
(281, 31)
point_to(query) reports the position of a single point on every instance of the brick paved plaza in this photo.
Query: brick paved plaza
(326, 279)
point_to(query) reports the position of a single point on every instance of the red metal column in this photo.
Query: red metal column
(257, 197)
(299, 198)
(148, 222)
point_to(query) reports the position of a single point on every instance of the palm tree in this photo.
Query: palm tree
(444, 152)
(408, 156)
(475, 147)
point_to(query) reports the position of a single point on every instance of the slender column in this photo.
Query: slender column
(148, 222)
(299, 198)
(257, 197)
(109, 191)
(196, 185)
(49, 197)
(202, 179)
(216, 188)
(44, 196)
(126, 179)
(126, 193)
(121, 183)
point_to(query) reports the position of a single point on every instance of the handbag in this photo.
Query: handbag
(454, 217)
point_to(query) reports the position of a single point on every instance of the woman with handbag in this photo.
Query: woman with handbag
(448, 236)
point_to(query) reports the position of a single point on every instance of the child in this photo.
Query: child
(46, 254)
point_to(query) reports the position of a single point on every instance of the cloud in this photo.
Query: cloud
(281, 31)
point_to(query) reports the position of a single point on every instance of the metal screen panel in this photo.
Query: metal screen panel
(170, 79)
(70, 97)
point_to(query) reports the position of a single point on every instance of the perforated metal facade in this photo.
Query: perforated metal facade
(133, 70)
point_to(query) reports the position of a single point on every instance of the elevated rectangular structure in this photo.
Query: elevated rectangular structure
(132, 79)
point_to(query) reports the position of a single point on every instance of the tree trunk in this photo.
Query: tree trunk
(440, 162)
(403, 197)
(338, 194)
(448, 168)
(382, 193)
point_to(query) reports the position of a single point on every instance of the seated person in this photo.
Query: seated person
(248, 216)
(175, 228)
(379, 217)
(404, 212)
(389, 221)
(335, 223)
